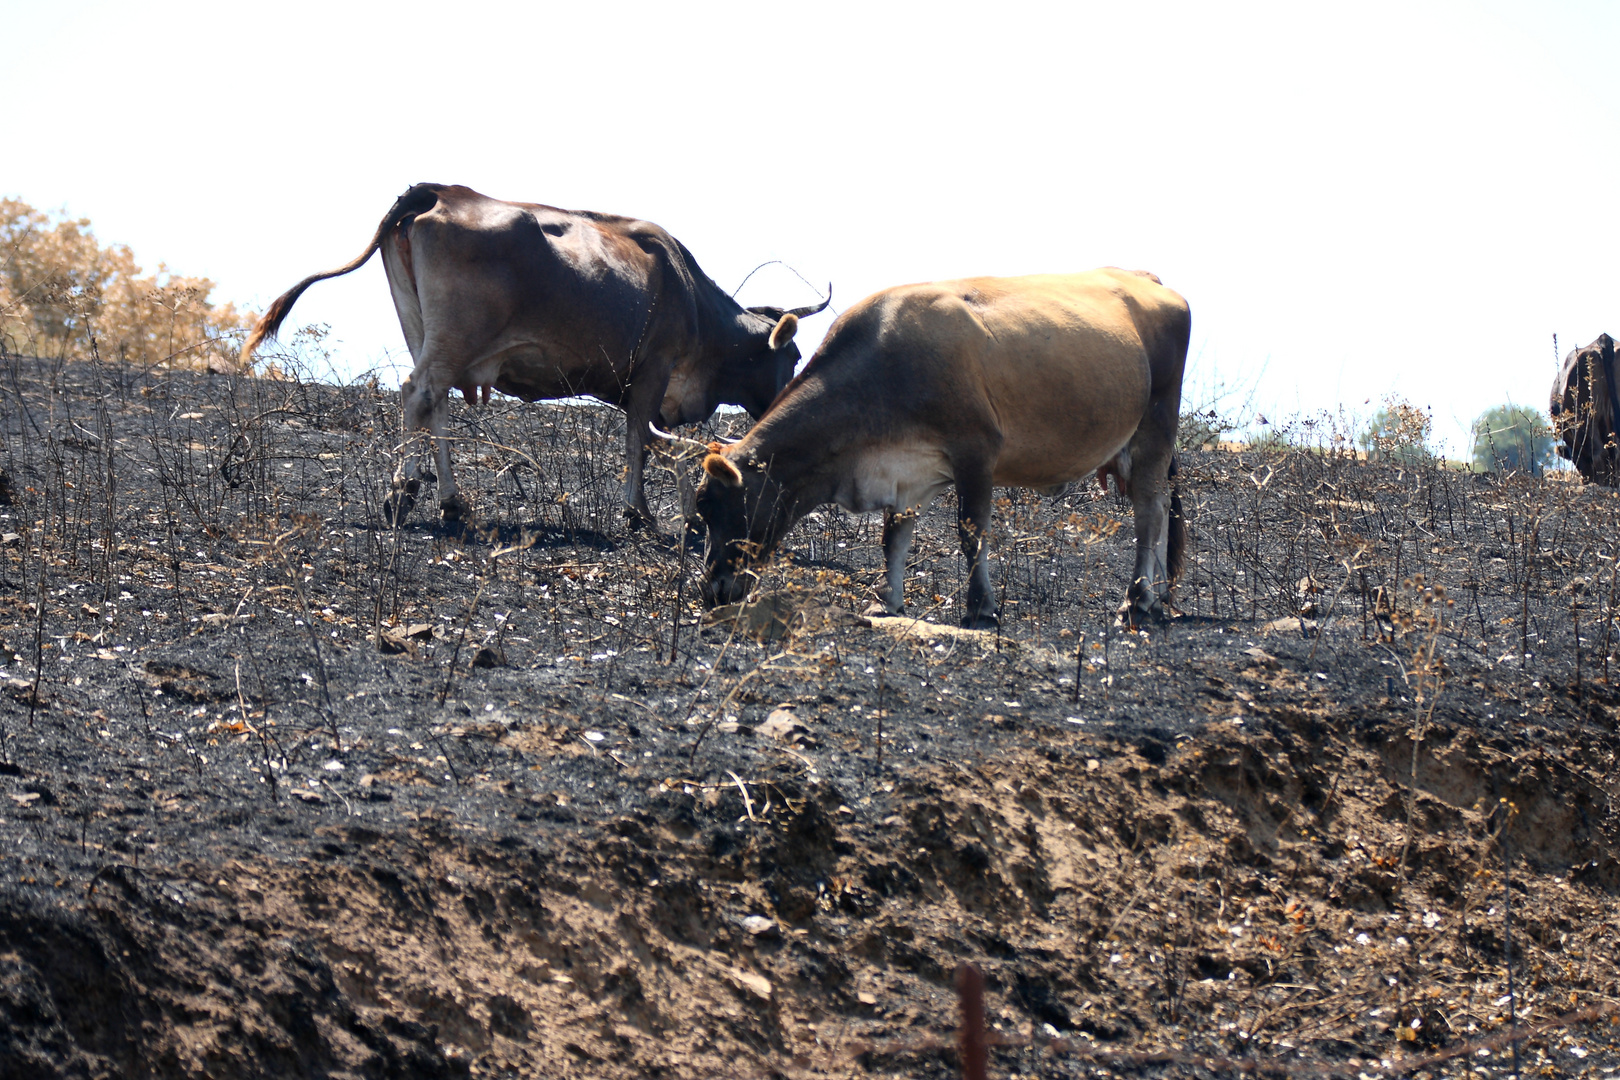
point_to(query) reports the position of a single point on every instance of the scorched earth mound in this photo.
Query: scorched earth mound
(286, 793)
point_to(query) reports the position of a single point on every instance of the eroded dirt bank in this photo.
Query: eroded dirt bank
(288, 794)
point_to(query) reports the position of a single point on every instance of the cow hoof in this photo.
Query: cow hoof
(454, 508)
(396, 508)
(879, 609)
(1135, 618)
(635, 520)
(981, 622)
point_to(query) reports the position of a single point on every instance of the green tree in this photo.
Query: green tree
(1512, 438)
(1399, 433)
(59, 288)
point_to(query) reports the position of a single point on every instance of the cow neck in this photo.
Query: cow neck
(802, 438)
(721, 327)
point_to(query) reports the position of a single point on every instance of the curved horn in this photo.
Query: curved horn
(680, 452)
(679, 443)
(813, 309)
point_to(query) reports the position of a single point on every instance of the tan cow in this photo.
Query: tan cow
(1028, 382)
(538, 303)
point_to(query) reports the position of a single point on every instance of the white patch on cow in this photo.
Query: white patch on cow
(895, 478)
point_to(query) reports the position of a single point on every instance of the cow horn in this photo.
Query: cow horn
(681, 445)
(813, 309)
(680, 451)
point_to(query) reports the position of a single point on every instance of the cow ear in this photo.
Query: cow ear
(783, 331)
(720, 468)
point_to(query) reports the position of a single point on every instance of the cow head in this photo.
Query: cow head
(764, 363)
(752, 370)
(757, 360)
(746, 512)
(769, 358)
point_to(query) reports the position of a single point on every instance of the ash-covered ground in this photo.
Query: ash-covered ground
(284, 792)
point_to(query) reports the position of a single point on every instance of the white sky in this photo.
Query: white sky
(1403, 198)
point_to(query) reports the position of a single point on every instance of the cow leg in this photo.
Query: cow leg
(409, 476)
(642, 405)
(452, 507)
(973, 528)
(1151, 449)
(898, 528)
(637, 513)
(426, 409)
(1150, 583)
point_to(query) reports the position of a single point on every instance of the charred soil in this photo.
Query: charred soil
(284, 792)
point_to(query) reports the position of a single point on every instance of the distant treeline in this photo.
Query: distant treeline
(61, 291)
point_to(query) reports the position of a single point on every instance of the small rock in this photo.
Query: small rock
(389, 640)
(757, 985)
(758, 924)
(1290, 624)
(782, 724)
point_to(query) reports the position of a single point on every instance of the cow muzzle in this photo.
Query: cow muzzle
(725, 586)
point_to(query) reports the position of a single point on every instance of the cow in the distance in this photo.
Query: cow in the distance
(1028, 382)
(1585, 408)
(541, 303)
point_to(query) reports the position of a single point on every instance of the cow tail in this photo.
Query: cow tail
(419, 198)
(1175, 556)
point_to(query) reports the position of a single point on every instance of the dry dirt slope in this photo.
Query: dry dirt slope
(237, 838)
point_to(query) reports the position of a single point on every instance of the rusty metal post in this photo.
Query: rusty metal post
(971, 1046)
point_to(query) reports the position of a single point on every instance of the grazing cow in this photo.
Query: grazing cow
(1585, 409)
(540, 303)
(1030, 382)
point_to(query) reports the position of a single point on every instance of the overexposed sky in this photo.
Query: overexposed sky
(1405, 198)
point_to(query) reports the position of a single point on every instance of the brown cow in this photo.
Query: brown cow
(1585, 410)
(542, 303)
(1030, 382)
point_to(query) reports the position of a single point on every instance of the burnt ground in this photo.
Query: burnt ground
(285, 793)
